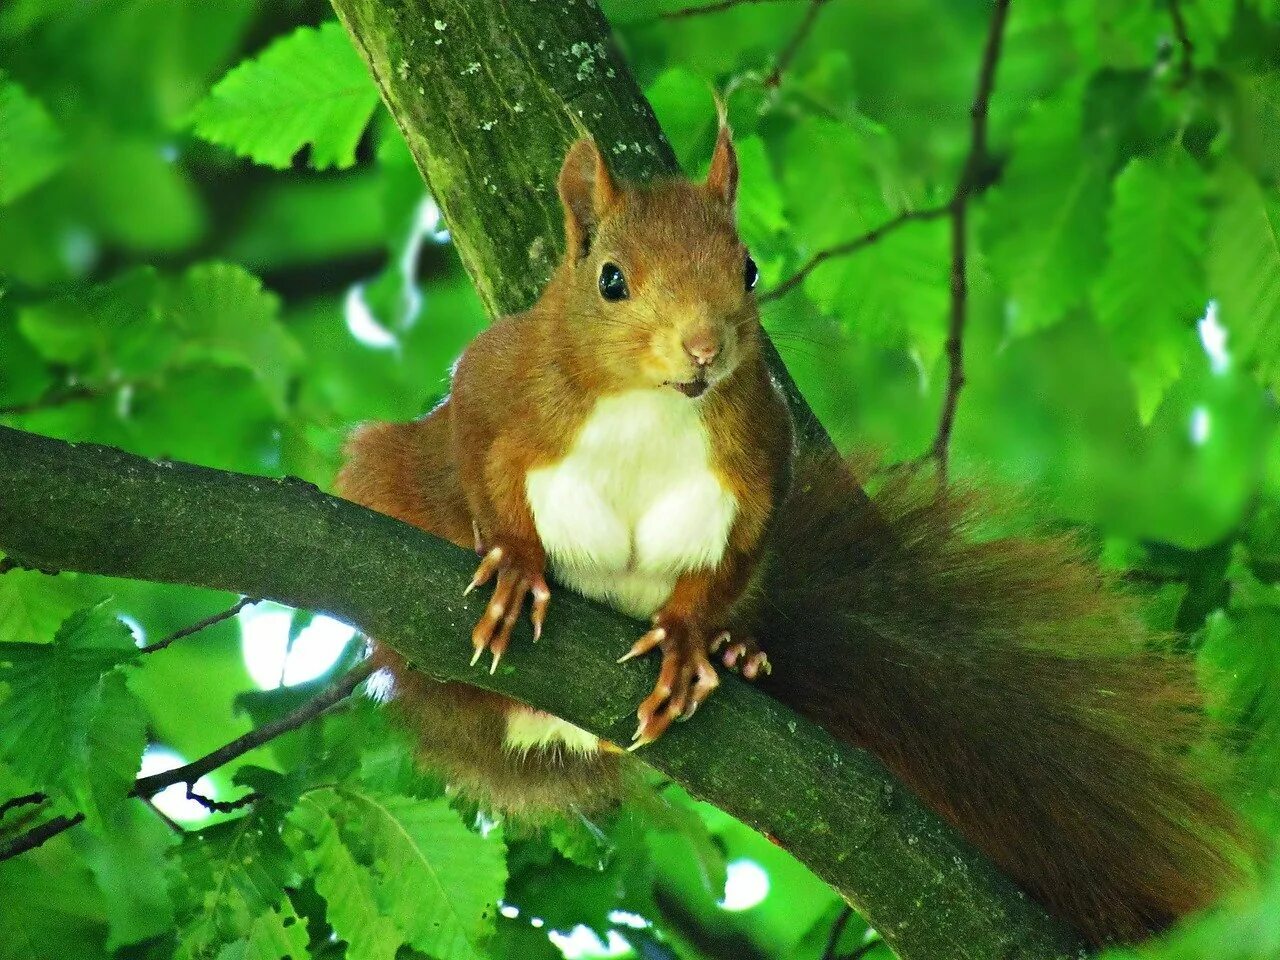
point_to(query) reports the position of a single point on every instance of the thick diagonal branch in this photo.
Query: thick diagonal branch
(99, 510)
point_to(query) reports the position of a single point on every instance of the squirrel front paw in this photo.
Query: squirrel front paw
(741, 654)
(520, 573)
(686, 679)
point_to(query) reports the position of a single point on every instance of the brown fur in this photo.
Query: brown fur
(1006, 684)
(1001, 680)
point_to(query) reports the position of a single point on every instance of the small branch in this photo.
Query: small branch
(26, 800)
(864, 949)
(201, 625)
(718, 7)
(837, 929)
(797, 40)
(191, 772)
(57, 397)
(940, 451)
(220, 806)
(852, 246)
(36, 836)
(1186, 63)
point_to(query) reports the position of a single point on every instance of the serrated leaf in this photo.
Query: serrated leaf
(127, 859)
(235, 873)
(396, 870)
(221, 312)
(108, 332)
(274, 935)
(30, 143)
(1045, 223)
(310, 87)
(68, 722)
(893, 291)
(1244, 271)
(33, 605)
(1152, 289)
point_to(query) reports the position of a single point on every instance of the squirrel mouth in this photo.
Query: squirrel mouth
(690, 388)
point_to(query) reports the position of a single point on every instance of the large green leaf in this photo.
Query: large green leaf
(310, 87)
(397, 870)
(235, 874)
(1153, 288)
(1044, 229)
(221, 312)
(893, 291)
(1244, 270)
(68, 722)
(30, 143)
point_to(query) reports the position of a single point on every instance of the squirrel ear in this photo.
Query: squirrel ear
(722, 180)
(588, 191)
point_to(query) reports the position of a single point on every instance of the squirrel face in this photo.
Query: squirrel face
(658, 281)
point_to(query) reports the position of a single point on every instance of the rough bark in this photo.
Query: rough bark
(99, 510)
(489, 94)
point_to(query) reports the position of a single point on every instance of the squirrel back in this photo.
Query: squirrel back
(1008, 685)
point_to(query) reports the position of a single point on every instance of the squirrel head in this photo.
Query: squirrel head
(657, 278)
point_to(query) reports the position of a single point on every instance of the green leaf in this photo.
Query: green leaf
(30, 144)
(108, 332)
(235, 873)
(310, 87)
(221, 312)
(895, 290)
(50, 908)
(397, 870)
(68, 722)
(1044, 229)
(1152, 289)
(127, 858)
(274, 935)
(33, 605)
(1244, 271)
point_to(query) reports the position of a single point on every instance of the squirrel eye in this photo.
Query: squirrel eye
(613, 286)
(750, 273)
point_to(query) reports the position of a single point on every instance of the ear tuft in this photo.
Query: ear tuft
(722, 179)
(588, 192)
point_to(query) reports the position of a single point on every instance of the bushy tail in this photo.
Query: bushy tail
(1010, 688)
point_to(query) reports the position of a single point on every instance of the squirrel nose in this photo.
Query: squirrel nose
(703, 348)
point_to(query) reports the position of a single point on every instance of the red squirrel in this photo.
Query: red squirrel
(623, 437)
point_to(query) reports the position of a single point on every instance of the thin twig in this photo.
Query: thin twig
(851, 246)
(1186, 64)
(797, 40)
(718, 7)
(26, 800)
(837, 928)
(220, 806)
(38, 835)
(192, 772)
(54, 398)
(864, 949)
(201, 625)
(958, 208)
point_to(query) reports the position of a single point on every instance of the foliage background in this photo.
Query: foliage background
(214, 247)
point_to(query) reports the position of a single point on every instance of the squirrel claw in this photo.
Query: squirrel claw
(686, 679)
(744, 656)
(516, 581)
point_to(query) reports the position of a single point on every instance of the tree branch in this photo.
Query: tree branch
(1186, 61)
(191, 772)
(204, 624)
(966, 186)
(788, 54)
(99, 510)
(719, 7)
(852, 246)
(37, 836)
(26, 800)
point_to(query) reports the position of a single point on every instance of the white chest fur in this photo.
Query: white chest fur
(634, 503)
